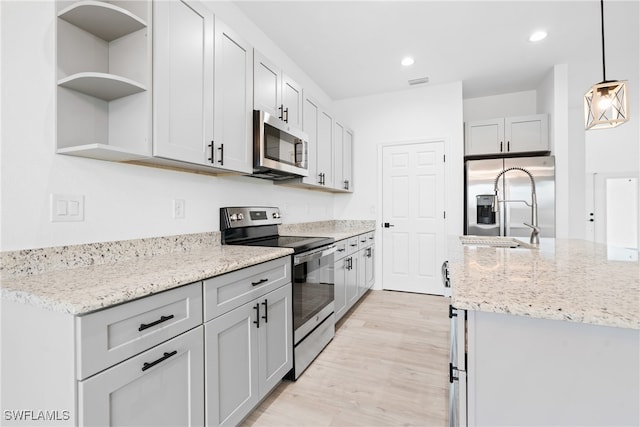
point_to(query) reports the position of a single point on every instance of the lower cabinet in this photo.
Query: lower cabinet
(159, 387)
(353, 271)
(248, 351)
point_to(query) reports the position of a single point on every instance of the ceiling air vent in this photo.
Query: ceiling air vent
(419, 81)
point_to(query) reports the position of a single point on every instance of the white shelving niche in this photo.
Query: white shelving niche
(104, 79)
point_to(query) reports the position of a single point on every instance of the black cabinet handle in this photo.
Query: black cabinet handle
(451, 369)
(286, 111)
(257, 309)
(387, 225)
(266, 314)
(146, 365)
(508, 146)
(501, 146)
(259, 282)
(144, 326)
(451, 313)
(281, 108)
(353, 245)
(346, 184)
(341, 250)
(221, 161)
(212, 149)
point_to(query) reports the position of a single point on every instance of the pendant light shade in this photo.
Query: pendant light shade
(606, 104)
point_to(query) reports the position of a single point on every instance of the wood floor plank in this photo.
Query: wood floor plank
(386, 366)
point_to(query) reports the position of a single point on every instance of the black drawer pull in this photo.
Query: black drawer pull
(259, 282)
(341, 250)
(257, 309)
(144, 326)
(266, 313)
(353, 244)
(162, 359)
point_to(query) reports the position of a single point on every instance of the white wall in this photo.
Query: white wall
(504, 105)
(421, 113)
(121, 201)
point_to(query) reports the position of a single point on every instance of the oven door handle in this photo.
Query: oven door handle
(300, 259)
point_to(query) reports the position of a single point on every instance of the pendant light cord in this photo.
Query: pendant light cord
(604, 75)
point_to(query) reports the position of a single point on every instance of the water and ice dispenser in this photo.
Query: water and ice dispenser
(485, 212)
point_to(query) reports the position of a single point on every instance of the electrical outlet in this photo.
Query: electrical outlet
(67, 208)
(178, 208)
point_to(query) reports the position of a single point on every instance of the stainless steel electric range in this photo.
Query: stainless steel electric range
(312, 275)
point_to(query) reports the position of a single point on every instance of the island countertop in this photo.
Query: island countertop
(571, 280)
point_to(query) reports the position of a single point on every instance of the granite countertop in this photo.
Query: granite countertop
(84, 289)
(337, 229)
(83, 278)
(571, 280)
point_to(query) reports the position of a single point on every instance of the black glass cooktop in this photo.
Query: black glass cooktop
(297, 243)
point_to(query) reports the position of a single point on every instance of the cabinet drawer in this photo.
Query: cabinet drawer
(352, 245)
(109, 336)
(341, 249)
(161, 387)
(231, 290)
(365, 240)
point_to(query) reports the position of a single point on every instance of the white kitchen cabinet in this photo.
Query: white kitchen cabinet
(248, 341)
(183, 66)
(502, 136)
(104, 79)
(352, 272)
(347, 160)
(338, 154)
(340, 279)
(233, 94)
(325, 147)
(275, 92)
(525, 370)
(160, 387)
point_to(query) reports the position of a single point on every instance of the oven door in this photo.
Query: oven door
(278, 146)
(313, 294)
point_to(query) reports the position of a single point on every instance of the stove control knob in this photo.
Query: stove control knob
(233, 217)
(240, 217)
(276, 215)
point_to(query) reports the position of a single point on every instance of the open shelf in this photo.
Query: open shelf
(102, 85)
(101, 19)
(101, 152)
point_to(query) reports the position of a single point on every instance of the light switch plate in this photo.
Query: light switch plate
(67, 208)
(178, 208)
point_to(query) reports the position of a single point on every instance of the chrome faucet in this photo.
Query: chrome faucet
(535, 230)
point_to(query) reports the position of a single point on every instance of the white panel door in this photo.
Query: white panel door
(338, 148)
(292, 100)
(413, 217)
(267, 82)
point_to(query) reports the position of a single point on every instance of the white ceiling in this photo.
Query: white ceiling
(354, 48)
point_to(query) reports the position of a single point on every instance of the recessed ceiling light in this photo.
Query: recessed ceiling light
(407, 61)
(537, 36)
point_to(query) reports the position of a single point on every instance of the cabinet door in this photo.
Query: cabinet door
(338, 152)
(325, 147)
(347, 160)
(352, 280)
(362, 275)
(527, 133)
(340, 287)
(183, 81)
(267, 81)
(160, 387)
(484, 137)
(233, 123)
(231, 365)
(310, 114)
(292, 97)
(275, 337)
(370, 271)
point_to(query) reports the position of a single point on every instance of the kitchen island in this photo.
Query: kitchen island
(547, 336)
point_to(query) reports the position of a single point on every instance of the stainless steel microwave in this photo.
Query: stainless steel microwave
(279, 150)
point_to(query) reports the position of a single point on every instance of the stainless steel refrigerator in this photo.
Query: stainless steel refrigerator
(508, 216)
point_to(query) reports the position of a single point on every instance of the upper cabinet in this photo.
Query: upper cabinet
(503, 136)
(202, 89)
(183, 65)
(276, 93)
(104, 79)
(347, 160)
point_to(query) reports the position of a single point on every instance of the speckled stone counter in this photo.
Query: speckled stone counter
(338, 229)
(572, 280)
(84, 289)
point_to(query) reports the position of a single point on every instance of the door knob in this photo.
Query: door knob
(387, 225)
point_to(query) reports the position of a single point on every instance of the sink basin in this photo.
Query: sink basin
(496, 242)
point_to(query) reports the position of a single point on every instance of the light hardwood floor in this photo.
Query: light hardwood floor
(386, 366)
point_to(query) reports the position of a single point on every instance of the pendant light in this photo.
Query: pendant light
(606, 104)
